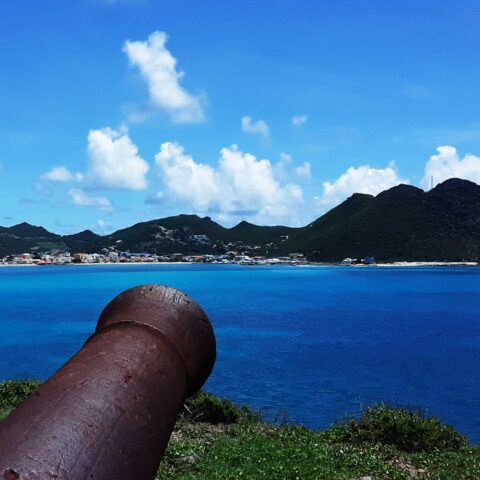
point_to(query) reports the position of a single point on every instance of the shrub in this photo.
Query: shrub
(202, 407)
(14, 392)
(408, 430)
(205, 407)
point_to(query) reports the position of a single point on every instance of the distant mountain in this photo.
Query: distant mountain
(250, 233)
(402, 223)
(28, 238)
(26, 230)
(86, 236)
(177, 234)
(185, 224)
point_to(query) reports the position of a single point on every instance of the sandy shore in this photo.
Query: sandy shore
(312, 264)
(90, 264)
(427, 264)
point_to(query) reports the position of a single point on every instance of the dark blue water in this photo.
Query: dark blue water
(312, 343)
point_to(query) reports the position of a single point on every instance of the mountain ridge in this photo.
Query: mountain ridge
(400, 223)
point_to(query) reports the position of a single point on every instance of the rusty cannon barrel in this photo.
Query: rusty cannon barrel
(108, 413)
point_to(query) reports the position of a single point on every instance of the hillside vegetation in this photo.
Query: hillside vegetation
(403, 223)
(216, 440)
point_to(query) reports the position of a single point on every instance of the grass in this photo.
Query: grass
(410, 431)
(13, 393)
(216, 440)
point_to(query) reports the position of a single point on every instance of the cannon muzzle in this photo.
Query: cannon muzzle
(108, 413)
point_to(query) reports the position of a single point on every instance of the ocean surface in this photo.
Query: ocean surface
(307, 344)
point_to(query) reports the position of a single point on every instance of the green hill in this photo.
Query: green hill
(24, 237)
(250, 233)
(402, 223)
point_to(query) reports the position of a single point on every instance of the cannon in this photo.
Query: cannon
(108, 413)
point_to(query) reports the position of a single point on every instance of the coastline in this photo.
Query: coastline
(428, 264)
(307, 264)
(90, 264)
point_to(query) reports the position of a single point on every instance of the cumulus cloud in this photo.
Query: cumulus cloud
(114, 162)
(186, 179)
(158, 68)
(448, 164)
(239, 186)
(81, 198)
(363, 179)
(298, 120)
(256, 127)
(61, 174)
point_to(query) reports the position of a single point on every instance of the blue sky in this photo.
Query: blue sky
(114, 112)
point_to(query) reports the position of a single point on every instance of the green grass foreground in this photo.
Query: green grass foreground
(216, 440)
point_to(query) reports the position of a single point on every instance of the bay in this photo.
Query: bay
(306, 344)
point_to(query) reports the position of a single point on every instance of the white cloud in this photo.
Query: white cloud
(447, 164)
(187, 180)
(304, 170)
(113, 164)
(81, 198)
(298, 120)
(363, 179)
(61, 174)
(113, 161)
(259, 126)
(285, 169)
(158, 68)
(240, 186)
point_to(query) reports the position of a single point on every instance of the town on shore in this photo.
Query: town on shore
(122, 258)
(112, 257)
(67, 258)
(232, 257)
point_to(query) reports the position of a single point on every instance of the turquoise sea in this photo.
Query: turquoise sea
(311, 344)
